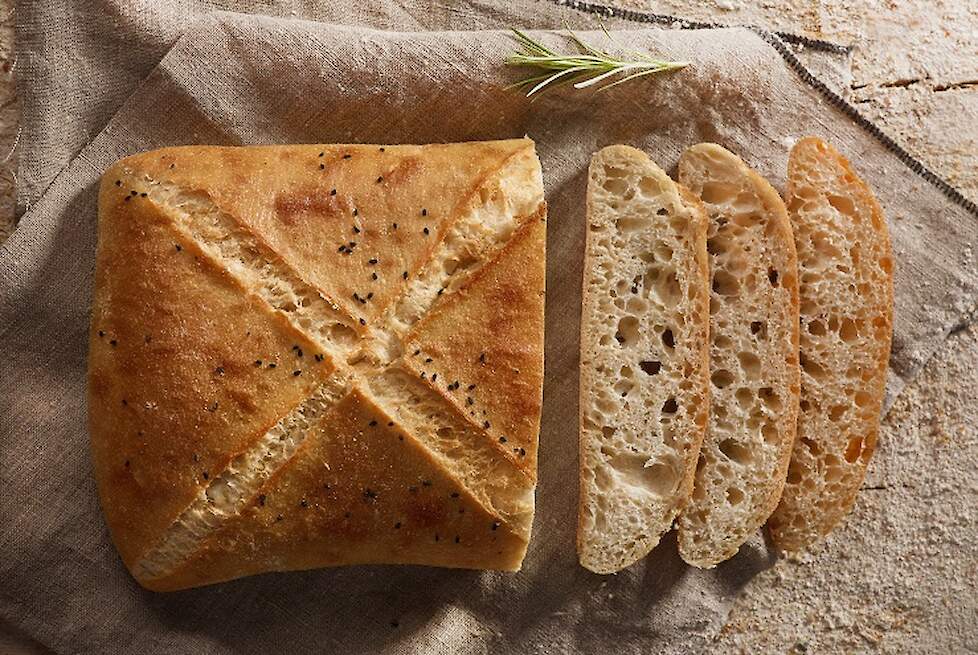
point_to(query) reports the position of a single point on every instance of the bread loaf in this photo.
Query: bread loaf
(753, 356)
(304, 356)
(846, 294)
(644, 349)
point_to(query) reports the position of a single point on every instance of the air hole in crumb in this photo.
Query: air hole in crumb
(725, 284)
(811, 367)
(745, 397)
(631, 224)
(627, 332)
(721, 378)
(614, 185)
(650, 367)
(670, 406)
(718, 193)
(849, 330)
(444, 433)
(770, 398)
(607, 431)
(817, 328)
(750, 364)
(668, 339)
(863, 399)
(735, 452)
(772, 276)
(794, 473)
(759, 328)
(649, 186)
(854, 448)
(735, 496)
(844, 206)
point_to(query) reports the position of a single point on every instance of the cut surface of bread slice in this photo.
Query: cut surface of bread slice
(846, 294)
(753, 357)
(644, 349)
(251, 403)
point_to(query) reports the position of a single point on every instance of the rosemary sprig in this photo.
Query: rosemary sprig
(588, 68)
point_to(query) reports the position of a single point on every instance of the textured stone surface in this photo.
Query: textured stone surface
(900, 574)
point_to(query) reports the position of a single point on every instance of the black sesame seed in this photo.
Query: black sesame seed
(422, 375)
(113, 343)
(304, 503)
(413, 489)
(456, 539)
(397, 526)
(426, 483)
(347, 156)
(495, 525)
(502, 439)
(394, 225)
(206, 475)
(134, 193)
(352, 244)
(485, 424)
(142, 195)
(436, 536)
(101, 333)
(261, 499)
(390, 424)
(118, 182)
(395, 624)
(382, 148)
(372, 261)
(356, 211)
(363, 322)
(417, 352)
(434, 376)
(219, 370)
(522, 452)
(426, 231)
(380, 179)
(356, 230)
(424, 212)
(373, 276)
(482, 358)
(213, 407)
(298, 352)
(346, 515)
(404, 275)
(319, 357)
(321, 154)
(278, 518)
(257, 363)
(271, 365)
(469, 401)
(427, 360)
(126, 463)
(441, 291)
(126, 198)
(296, 373)
(332, 192)
(322, 166)
(454, 494)
(178, 247)
(372, 424)
(471, 387)
(341, 249)
(369, 494)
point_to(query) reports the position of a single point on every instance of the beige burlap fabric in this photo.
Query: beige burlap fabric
(234, 78)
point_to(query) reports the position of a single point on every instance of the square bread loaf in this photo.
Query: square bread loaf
(318, 355)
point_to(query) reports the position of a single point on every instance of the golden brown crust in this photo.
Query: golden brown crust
(385, 204)
(359, 491)
(847, 315)
(175, 390)
(214, 320)
(492, 371)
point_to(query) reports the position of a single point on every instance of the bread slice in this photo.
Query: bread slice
(846, 294)
(753, 356)
(644, 349)
(252, 401)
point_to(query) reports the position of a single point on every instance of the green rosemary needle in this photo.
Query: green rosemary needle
(588, 68)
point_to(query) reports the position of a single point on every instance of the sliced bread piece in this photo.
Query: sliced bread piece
(644, 349)
(753, 356)
(846, 294)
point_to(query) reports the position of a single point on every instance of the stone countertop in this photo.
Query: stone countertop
(900, 574)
